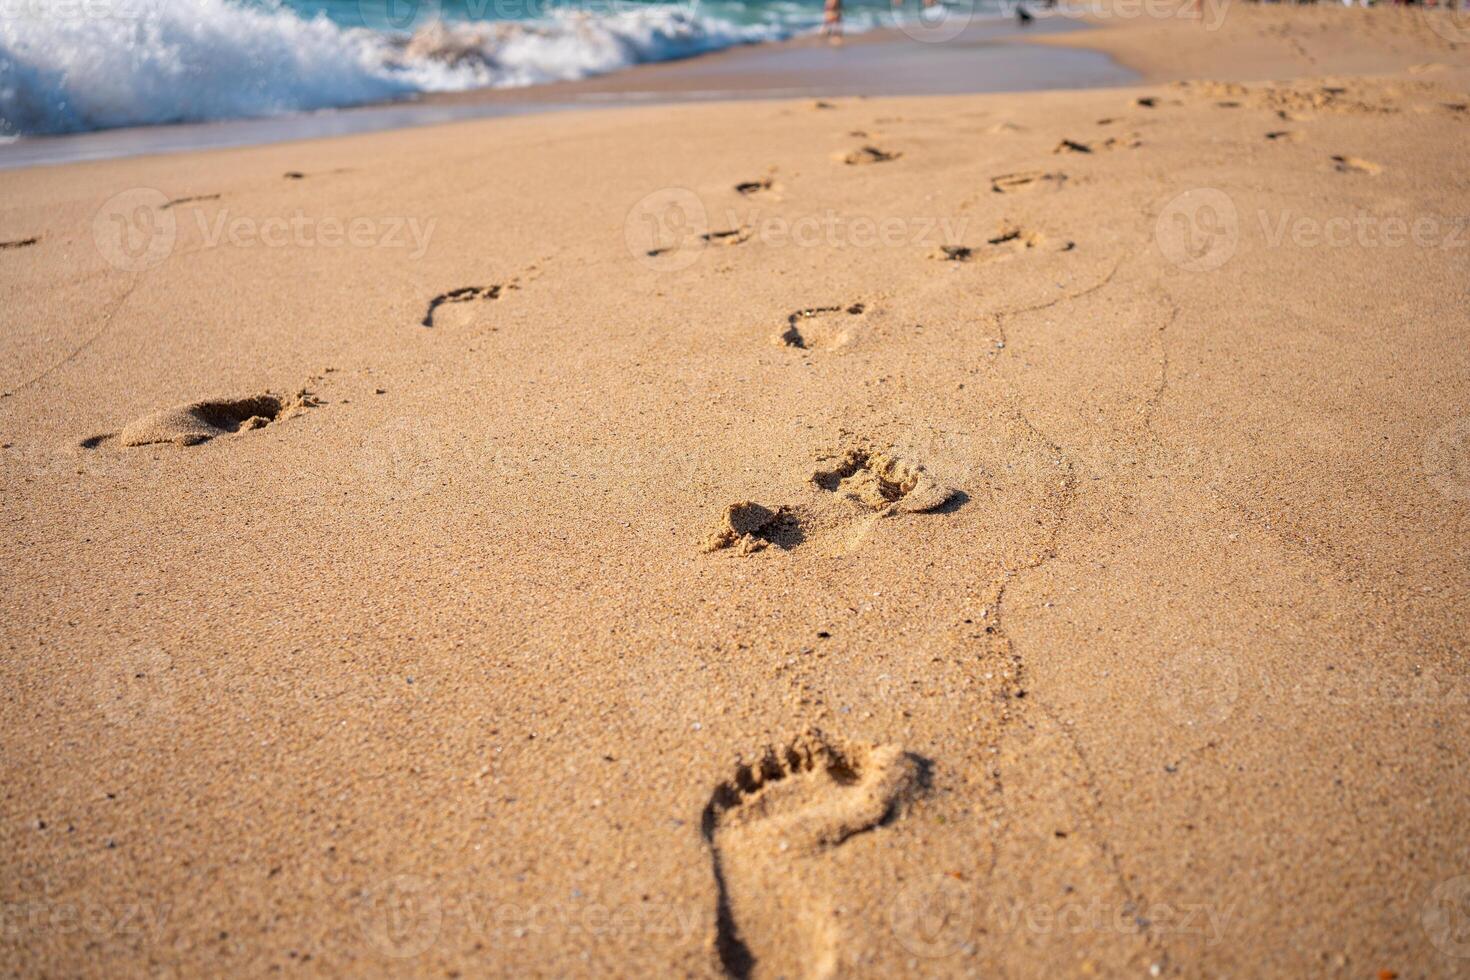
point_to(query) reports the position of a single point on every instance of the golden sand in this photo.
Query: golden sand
(1105, 613)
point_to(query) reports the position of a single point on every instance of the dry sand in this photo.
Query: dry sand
(1100, 607)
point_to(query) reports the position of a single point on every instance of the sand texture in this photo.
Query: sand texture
(1006, 535)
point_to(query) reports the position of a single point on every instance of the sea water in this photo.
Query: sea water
(69, 66)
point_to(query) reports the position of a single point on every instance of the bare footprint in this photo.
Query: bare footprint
(728, 236)
(465, 294)
(883, 482)
(1128, 142)
(195, 199)
(749, 527)
(839, 506)
(867, 154)
(819, 327)
(195, 422)
(953, 253)
(771, 827)
(1355, 165)
(300, 175)
(1026, 181)
(1009, 239)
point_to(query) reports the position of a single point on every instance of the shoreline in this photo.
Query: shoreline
(879, 62)
(1112, 45)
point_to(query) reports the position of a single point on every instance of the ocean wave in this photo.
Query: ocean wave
(70, 66)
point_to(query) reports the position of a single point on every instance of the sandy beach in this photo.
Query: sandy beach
(1001, 535)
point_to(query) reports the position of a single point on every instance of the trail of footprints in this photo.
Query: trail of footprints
(785, 811)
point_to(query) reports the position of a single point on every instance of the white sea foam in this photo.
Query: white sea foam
(74, 65)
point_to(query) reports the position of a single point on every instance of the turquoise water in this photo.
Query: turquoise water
(140, 62)
(405, 14)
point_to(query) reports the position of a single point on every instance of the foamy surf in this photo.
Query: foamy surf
(67, 66)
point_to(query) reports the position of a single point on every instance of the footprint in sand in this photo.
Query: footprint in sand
(729, 236)
(843, 501)
(1355, 165)
(300, 175)
(866, 155)
(1128, 142)
(1027, 181)
(749, 527)
(770, 829)
(884, 483)
(819, 327)
(196, 422)
(20, 243)
(749, 188)
(180, 201)
(1010, 239)
(465, 294)
(1284, 136)
(953, 253)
